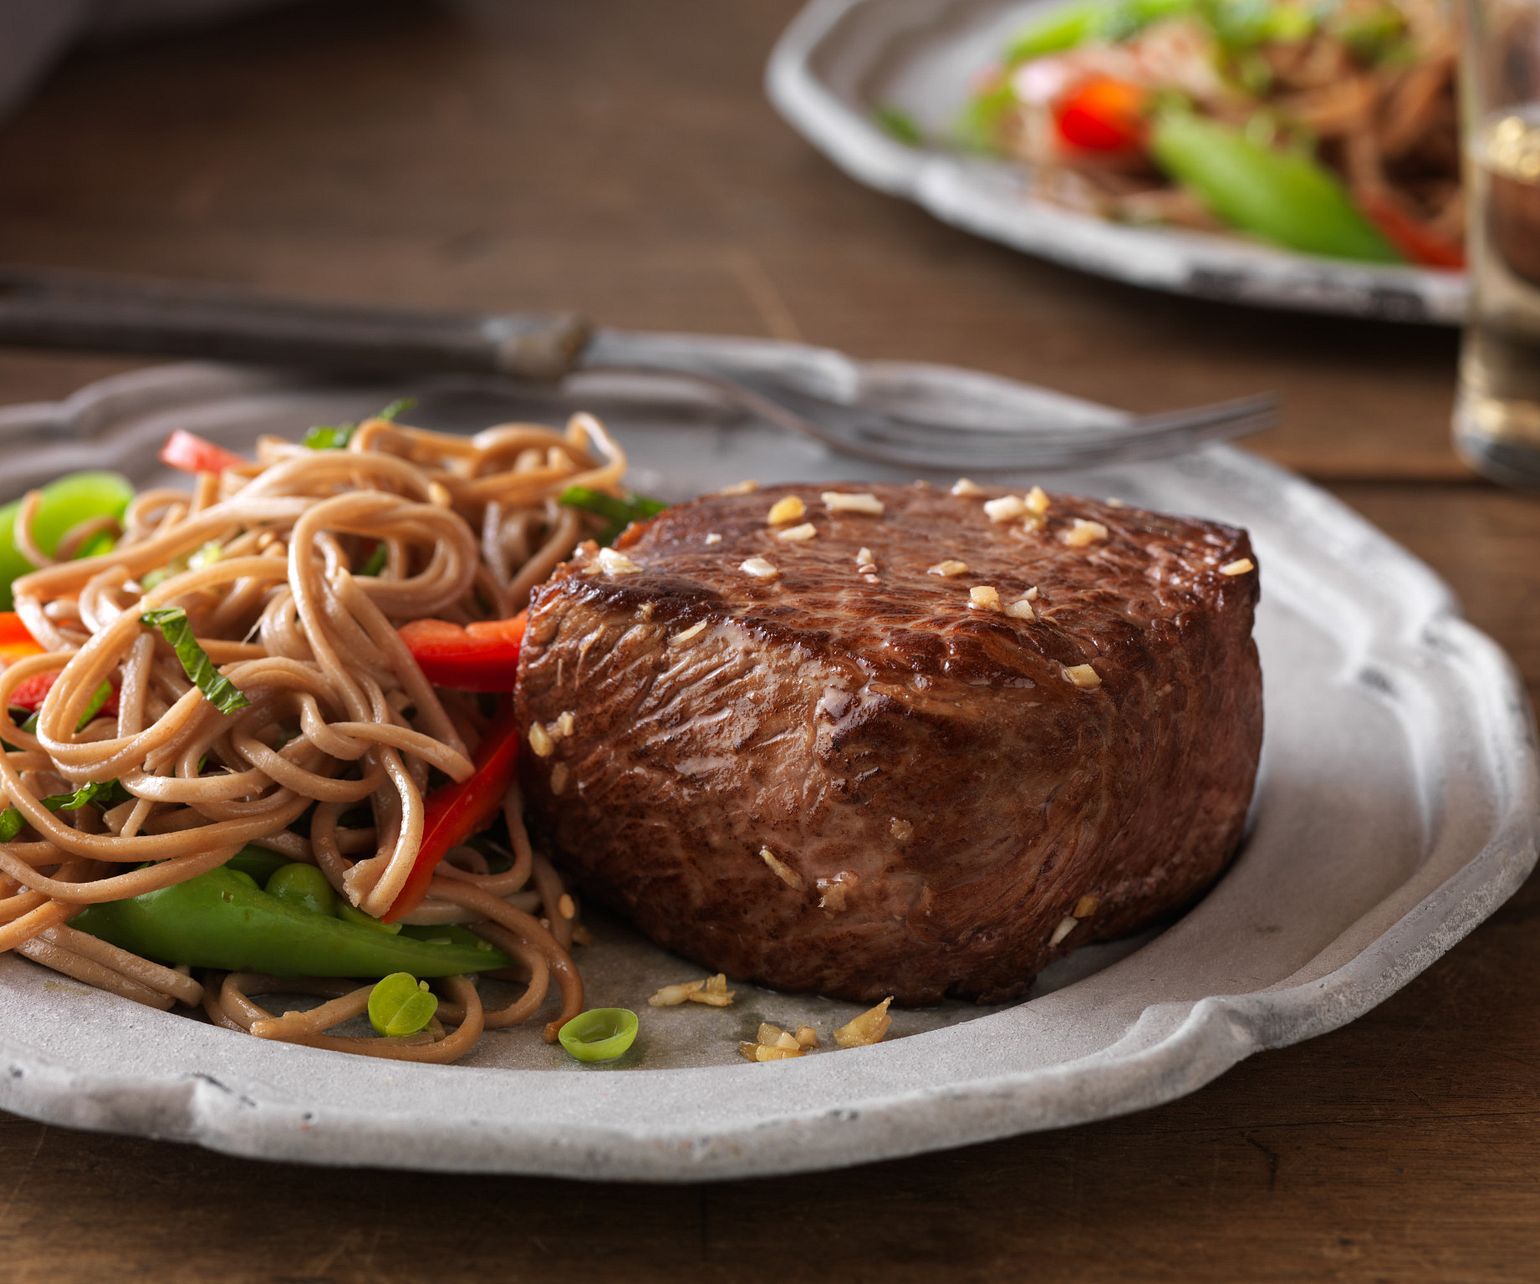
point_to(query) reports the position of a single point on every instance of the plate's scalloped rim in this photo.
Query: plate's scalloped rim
(970, 193)
(1215, 1033)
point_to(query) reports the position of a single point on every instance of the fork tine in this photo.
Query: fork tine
(943, 449)
(898, 431)
(1148, 443)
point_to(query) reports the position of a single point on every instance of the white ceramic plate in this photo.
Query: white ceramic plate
(841, 60)
(1397, 807)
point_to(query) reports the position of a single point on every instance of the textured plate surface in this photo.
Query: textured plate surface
(842, 59)
(1397, 808)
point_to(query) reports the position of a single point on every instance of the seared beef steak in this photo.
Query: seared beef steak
(844, 764)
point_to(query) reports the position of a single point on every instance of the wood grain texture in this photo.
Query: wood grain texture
(618, 157)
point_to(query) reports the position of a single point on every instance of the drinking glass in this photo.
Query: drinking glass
(1497, 408)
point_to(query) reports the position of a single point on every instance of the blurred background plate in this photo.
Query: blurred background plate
(841, 61)
(1397, 807)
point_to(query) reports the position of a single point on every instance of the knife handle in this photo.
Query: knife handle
(45, 308)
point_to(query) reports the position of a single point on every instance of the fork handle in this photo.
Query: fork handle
(44, 308)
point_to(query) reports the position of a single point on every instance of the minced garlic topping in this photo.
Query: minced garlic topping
(798, 534)
(788, 509)
(612, 562)
(868, 1028)
(781, 869)
(684, 635)
(759, 568)
(983, 597)
(712, 992)
(1006, 508)
(1084, 532)
(1238, 567)
(949, 568)
(1083, 676)
(837, 501)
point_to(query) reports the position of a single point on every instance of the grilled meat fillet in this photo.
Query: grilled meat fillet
(922, 752)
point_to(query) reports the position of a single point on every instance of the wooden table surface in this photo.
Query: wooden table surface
(618, 157)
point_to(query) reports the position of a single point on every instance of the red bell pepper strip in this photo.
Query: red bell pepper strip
(192, 454)
(16, 642)
(1103, 115)
(31, 692)
(1418, 243)
(462, 809)
(483, 656)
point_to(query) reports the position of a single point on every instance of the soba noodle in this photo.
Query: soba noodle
(342, 726)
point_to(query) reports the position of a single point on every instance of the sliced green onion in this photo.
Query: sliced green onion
(207, 555)
(619, 512)
(99, 793)
(217, 689)
(600, 1034)
(337, 436)
(66, 503)
(400, 1004)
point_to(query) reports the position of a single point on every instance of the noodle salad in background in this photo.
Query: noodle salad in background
(1324, 126)
(259, 735)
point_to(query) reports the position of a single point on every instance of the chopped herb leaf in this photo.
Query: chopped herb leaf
(900, 125)
(330, 436)
(99, 697)
(619, 512)
(99, 793)
(337, 436)
(174, 626)
(375, 563)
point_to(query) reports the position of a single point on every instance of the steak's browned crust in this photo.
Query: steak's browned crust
(939, 797)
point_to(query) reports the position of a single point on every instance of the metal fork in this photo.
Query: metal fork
(913, 416)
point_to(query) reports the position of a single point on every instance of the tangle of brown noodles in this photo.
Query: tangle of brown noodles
(341, 720)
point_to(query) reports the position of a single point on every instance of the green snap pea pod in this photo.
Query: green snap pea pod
(260, 863)
(222, 919)
(1283, 196)
(66, 503)
(1075, 25)
(304, 886)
